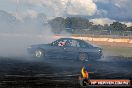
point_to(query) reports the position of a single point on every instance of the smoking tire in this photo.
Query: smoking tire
(83, 56)
(39, 53)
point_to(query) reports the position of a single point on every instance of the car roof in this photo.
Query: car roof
(79, 40)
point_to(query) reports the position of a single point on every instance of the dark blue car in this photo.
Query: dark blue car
(67, 48)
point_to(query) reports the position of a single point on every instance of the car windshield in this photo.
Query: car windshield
(85, 44)
(54, 43)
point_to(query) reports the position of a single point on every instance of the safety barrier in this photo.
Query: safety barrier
(95, 39)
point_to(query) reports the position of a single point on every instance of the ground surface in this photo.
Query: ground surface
(115, 49)
(24, 72)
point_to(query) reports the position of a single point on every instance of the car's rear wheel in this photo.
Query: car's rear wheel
(83, 56)
(39, 53)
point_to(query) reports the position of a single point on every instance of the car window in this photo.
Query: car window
(72, 43)
(66, 43)
(55, 43)
(62, 42)
(85, 44)
(59, 42)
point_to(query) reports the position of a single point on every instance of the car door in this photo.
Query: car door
(54, 50)
(71, 49)
(87, 48)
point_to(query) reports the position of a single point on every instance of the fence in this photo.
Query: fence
(99, 38)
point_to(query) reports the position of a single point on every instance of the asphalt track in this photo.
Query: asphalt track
(25, 72)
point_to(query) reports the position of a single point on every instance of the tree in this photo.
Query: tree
(117, 26)
(129, 28)
(57, 24)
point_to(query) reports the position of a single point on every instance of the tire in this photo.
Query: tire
(83, 57)
(39, 53)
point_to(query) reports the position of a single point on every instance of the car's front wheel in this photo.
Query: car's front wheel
(39, 53)
(83, 56)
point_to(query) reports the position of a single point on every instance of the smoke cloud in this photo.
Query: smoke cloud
(102, 21)
(17, 35)
(57, 8)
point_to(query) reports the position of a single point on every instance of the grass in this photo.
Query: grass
(117, 50)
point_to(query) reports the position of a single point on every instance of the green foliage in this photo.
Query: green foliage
(118, 26)
(81, 25)
(57, 24)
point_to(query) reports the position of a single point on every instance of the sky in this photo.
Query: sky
(100, 11)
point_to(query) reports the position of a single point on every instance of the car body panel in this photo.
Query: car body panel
(67, 48)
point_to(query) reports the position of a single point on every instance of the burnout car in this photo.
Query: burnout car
(67, 48)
